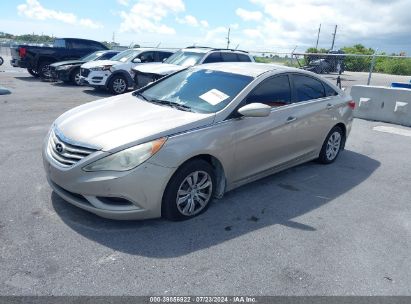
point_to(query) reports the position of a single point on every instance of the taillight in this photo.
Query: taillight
(351, 104)
(22, 52)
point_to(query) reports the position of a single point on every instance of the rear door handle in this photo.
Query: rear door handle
(291, 119)
(329, 106)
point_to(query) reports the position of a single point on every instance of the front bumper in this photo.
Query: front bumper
(62, 75)
(95, 78)
(142, 188)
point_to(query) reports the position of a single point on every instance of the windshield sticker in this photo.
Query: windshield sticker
(214, 97)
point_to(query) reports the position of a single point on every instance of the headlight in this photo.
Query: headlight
(64, 67)
(102, 68)
(127, 159)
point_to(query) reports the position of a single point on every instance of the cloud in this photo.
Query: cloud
(34, 10)
(123, 2)
(192, 21)
(249, 15)
(146, 16)
(285, 24)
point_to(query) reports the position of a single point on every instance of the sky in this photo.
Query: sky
(256, 25)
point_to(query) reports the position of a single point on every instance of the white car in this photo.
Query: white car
(184, 58)
(116, 74)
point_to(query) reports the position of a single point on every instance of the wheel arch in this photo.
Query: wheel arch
(218, 171)
(129, 79)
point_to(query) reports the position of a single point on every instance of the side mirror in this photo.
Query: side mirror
(137, 60)
(255, 110)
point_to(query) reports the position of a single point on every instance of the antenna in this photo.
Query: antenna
(113, 39)
(318, 37)
(158, 45)
(335, 34)
(237, 46)
(228, 38)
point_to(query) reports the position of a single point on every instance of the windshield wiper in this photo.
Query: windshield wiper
(140, 95)
(172, 104)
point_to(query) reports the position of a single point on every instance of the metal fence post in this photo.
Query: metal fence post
(372, 67)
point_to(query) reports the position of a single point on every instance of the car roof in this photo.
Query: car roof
(246, 68)
(204, 50)
(151, 49)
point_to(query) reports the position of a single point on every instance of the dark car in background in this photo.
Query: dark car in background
(332, 62)
(37, 59)
(69, 71)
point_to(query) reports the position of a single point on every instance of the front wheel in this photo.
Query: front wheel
(75, 77)
(1, 60)
(44, 70)
(118, 85)
(332, 146)
(189, 191)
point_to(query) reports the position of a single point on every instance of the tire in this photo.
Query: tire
(75, 77)
(179, 189)
(118, 85)
(33, 73)
(333, 144)
(44, 69)
(1, 60)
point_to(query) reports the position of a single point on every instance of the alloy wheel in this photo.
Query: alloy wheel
(333, 146)
(194, 193)
(119, 85)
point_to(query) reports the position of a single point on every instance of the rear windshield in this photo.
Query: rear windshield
(204, 91)
(184, 58)
(126, 55)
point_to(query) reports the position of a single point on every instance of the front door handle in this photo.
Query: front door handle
(291, 119)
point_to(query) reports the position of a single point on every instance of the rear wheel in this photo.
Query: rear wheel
(44, 70)
(33, 72)
(189, 191)
(332, 146)
(75, 77)
(1, 60)
(118, 85)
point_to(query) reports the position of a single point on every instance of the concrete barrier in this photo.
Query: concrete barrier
(385, 104)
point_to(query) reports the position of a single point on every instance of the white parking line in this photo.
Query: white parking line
(393, 130)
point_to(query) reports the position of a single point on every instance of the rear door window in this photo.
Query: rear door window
(308, 88)
(213, 57)
(163, 55)
(329, 91)
(229, 57)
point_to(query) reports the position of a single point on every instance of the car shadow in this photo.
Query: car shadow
(97, 92)
(28, 78)
(274, 200)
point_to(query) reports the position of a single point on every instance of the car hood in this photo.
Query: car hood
(68, 62)
(120, 121)
(97, 63)
(158, 68)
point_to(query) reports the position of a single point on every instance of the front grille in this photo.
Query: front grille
(64, 153)
(84, 72)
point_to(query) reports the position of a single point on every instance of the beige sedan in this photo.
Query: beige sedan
(171, 147)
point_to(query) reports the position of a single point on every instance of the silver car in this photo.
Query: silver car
(171, 147)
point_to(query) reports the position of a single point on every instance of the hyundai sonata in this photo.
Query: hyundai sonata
(171, 147)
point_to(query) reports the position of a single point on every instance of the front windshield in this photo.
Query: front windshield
(125, 56)
(184, 58)
(91, 57)
(203, 91)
